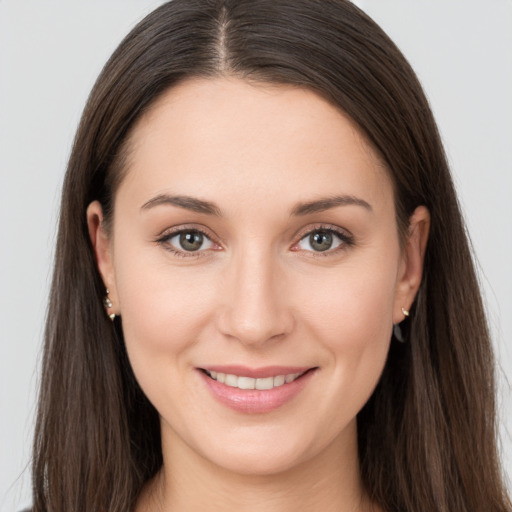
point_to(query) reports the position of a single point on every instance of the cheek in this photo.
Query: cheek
(353, 305)
(162, 308)
(163, 312)
(351, 317)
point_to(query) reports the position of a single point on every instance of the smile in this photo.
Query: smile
(244, 382)
(255, 391)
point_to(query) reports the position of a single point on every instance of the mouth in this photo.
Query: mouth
(255, 391)
(262, 383)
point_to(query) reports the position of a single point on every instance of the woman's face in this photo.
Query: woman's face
(254, 239)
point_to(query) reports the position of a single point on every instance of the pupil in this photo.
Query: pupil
(321, 240)
(191, 240)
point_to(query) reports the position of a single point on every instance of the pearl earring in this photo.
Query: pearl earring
(108, 304)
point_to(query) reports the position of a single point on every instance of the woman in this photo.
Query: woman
(263, 295)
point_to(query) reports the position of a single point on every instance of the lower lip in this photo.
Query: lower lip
(252, 401)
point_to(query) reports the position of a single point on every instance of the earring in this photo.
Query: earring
(397, 330)
(108, 304)
(397, 333)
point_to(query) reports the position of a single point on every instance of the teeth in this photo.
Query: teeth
(231, 380)
(245, 383)
(242, 382)
(279, 380)
(266, 383)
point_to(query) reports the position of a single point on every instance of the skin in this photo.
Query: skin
(258, 294)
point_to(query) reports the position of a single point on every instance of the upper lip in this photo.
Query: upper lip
(256, 373)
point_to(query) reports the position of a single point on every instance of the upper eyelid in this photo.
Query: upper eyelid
(173, 231)
(323, 227)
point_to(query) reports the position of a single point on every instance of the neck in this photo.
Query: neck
(327, 482)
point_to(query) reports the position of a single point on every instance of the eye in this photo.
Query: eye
(323, 240)
(187, 241)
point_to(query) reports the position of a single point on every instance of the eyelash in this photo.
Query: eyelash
(346, 241)
(164, 240)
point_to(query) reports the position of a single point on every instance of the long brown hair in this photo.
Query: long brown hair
(427, 436)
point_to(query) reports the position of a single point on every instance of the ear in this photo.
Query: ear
(411, 266)
(102, 251)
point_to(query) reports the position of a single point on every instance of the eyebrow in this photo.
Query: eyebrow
(209, 208)
(187, 202)
(323, 204)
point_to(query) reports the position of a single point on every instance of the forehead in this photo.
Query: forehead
(229, 137)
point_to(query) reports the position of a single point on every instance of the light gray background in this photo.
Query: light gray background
(50, 55)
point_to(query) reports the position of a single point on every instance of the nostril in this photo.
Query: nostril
(255, 326)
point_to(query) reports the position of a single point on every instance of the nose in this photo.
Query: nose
(256, 308)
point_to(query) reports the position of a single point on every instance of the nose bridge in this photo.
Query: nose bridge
(256, 304)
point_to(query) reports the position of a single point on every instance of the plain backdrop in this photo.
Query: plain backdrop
(50, 55)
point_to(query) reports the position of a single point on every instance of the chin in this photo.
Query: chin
(259, 462)
(272, 452)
